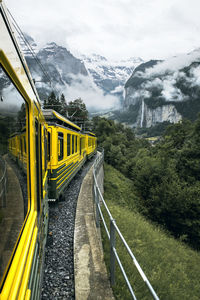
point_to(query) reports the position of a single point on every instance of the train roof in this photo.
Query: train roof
(53, 117)
(90, 133)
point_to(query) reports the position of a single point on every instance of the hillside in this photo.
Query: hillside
(171, 267)
(165, 177)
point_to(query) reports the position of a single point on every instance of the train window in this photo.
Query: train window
(13, 168)
(76, 144)
(49, 146)
(38, 160)
(68, 144)
(60, 144)
(45, 149)
(82, 143)
(72, 144)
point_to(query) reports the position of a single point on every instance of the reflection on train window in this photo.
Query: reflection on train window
(13, 168)
(68, 144)
(60, 146)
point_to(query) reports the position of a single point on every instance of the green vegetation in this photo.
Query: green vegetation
(129, 116)
(171, 267)
(6, 128)
(153, 131)
(155, 100)
(56, 103)
(1, 215)
(166, 177)
(75, 110)
(188, 109)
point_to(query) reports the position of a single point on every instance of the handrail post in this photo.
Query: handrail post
(97, 209)
(112, 254)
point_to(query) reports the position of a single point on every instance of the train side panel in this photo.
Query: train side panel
(91, 141)
(22, 268)
(67, 152)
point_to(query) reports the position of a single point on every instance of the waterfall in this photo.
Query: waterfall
(142, 115)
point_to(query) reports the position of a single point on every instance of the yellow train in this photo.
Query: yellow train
(49, 148)
(66, 149)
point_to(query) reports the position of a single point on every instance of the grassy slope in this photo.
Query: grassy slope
(171, 267)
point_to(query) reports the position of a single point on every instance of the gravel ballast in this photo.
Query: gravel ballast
(58, 278)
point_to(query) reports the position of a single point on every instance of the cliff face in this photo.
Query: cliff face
(150, 117)
(159, 91)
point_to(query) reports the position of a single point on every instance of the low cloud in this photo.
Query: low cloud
(165, 76)
(94, 98)
(10, 99)
(173, 64)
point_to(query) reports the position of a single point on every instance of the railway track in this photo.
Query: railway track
(58, 280)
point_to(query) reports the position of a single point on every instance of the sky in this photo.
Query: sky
(116, 29)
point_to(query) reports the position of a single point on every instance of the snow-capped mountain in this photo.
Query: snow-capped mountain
(95, 79)
(59, 67)
(108, 75)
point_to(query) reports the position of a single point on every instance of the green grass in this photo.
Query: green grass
(171, 267)
(1, 215)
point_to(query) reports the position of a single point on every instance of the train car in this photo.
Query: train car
(67, 150)
(17, 148)
(24, 215)
(49, 149)
(13, 143)
(91, 142)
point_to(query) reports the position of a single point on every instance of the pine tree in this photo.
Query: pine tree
(63, 110)
(77, 110)
(53, 102)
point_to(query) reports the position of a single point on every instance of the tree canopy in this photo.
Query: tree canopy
(75, 110)
(56, 103)
(166, 176)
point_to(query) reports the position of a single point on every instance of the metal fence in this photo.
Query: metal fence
(3, 182)
(99, 200)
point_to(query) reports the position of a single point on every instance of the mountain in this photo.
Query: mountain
(98, 81)
(61, 67)
(110, 76)
(159, 91)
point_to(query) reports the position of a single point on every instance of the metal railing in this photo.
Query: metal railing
(112, 235)
(3, 182)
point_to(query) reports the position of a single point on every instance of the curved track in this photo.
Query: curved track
(58, 280)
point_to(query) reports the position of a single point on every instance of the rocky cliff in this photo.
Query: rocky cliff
(169, 90)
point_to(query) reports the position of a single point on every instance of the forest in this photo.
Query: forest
(165, 176)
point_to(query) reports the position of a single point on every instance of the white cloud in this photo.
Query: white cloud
(195, 73)
(173, 64)
(83, 87)
(113, 28)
